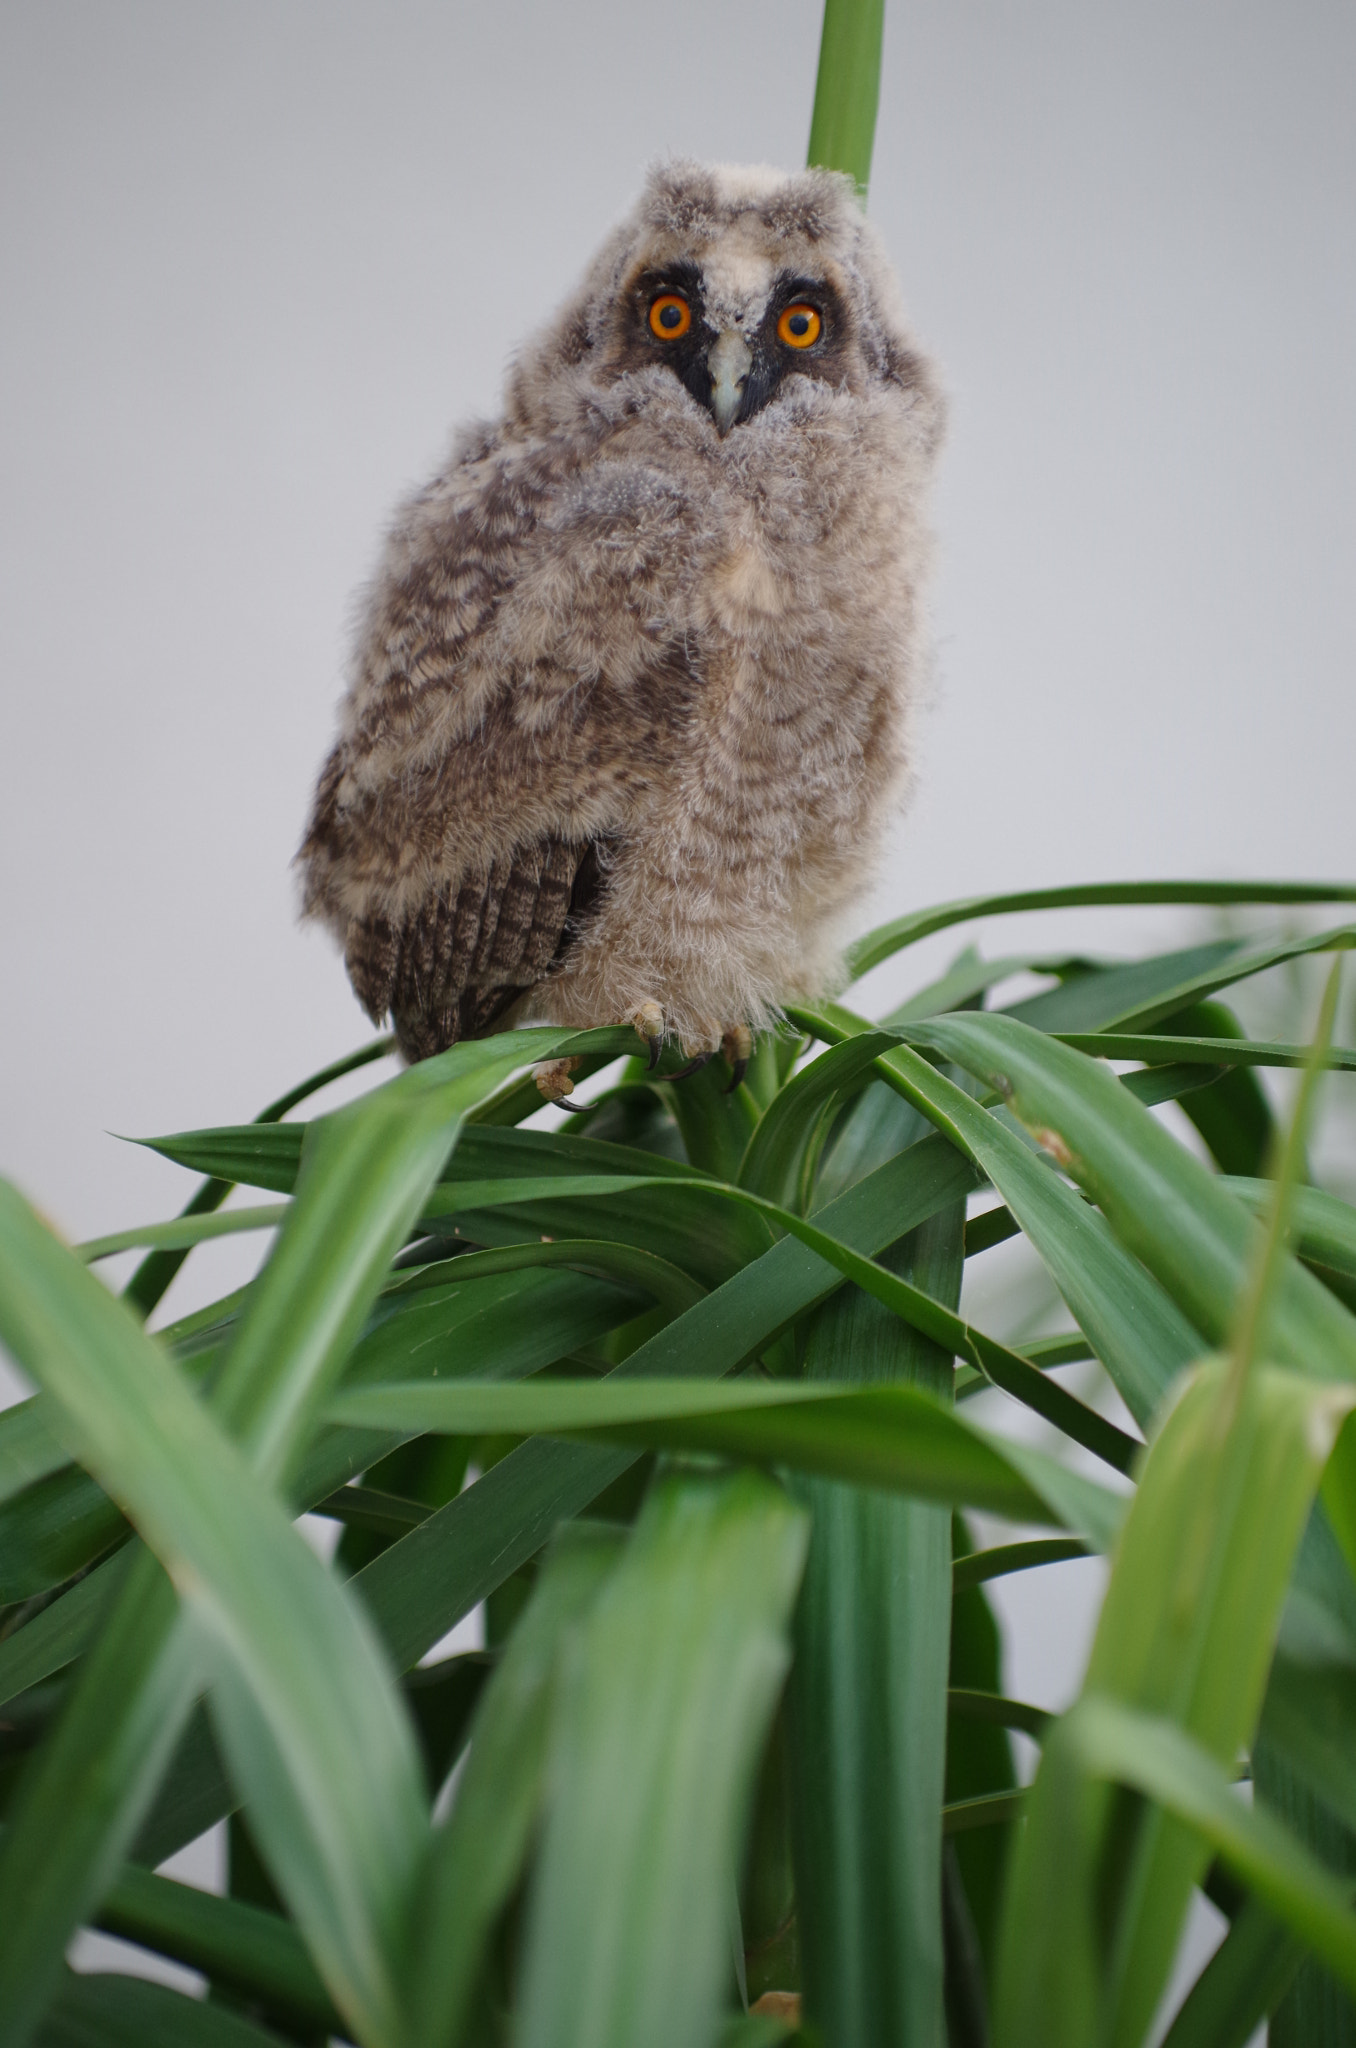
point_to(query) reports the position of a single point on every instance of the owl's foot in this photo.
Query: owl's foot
(648, 1020)
(553, 1079)
(735, 1043)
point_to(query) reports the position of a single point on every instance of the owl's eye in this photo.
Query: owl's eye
(670, 316)
(800, 326)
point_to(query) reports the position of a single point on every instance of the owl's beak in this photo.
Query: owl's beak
(729, 359)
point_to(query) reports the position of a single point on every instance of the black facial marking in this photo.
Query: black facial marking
(685, 354)
(773, 359)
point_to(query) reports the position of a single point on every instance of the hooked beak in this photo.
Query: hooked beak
(729, 360)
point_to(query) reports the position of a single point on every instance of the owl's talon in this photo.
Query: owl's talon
(737, 1048)
(692, 1067)
(553, 1080)
(648, 1021)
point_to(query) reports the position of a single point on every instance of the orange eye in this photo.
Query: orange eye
(800, 326)
(670, 316)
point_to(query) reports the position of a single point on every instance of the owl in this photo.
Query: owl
(631, 700)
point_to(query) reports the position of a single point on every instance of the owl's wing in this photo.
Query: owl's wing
(469, 952)
(514, 697)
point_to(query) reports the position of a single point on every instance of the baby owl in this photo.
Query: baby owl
(631, 697)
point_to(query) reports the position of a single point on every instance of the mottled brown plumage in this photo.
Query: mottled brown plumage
(632, 692)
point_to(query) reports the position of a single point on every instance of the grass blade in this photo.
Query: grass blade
(478, 1854)
(1186, 1630)
(1133, 1326)
(124, 2012)
(663, 1712)
(888, 1436)
(868, 1692)
(1164, 1205)
(302, 1699)
(847, 92)
(1160, 1760)
(891, 938)
(149, 1284)
(257, 1954)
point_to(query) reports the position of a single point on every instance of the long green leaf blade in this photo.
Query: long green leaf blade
(664, 1709)
(900, 932)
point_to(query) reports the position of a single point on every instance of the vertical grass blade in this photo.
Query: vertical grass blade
(847, 91)
(477, 1855)
(1100, 1884)
(868, 1690)
(666, 1702)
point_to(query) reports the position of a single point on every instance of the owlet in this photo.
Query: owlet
(631, 699)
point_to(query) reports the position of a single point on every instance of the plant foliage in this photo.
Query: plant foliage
(681, 1390)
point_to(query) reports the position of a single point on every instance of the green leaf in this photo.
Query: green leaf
(255, 1953)
(1310, 1719)
(1158, 1759)
(978, 1762)
(423, 1585)
(784, 1143)
(292, 1339)
(1164, 1205)
(126, 2012)
(1186, 1630)
(1315, 2011)
(1234, 1052)
(73, 1816)
(152, 1278)
(1244, 1980)
(847, 92)
(668, 1284)
(183, 1232)
(28, 1448)
(478, 1854)
(1324, 1230)
(1142, 1011)
(981, 1565)
(312, 1727)
(893, 1437)
(53, 1530)
(61, 1631)
(900, 932)
(1134, 1328)
(868, 1692)
(366, 1174)
(664, 1705)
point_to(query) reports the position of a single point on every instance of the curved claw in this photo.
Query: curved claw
(692, 1067)
(656, 1048)
(737, 1046)
(575, 1108)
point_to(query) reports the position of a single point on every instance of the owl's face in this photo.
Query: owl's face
(732, 334)
(741, 284)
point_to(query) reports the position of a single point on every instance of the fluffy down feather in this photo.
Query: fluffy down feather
(631, 698)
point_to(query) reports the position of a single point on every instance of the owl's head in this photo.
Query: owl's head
(735, 281)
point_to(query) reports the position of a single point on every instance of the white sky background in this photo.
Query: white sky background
(256, 261)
